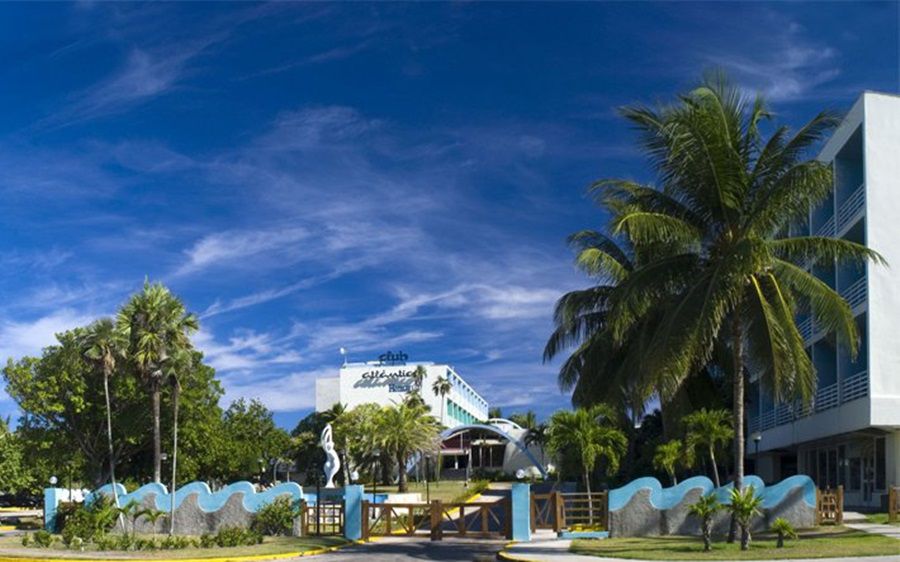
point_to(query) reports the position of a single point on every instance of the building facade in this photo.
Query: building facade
(388, 379)
(850, 434)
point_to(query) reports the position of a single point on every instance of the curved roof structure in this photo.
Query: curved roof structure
(448, 433)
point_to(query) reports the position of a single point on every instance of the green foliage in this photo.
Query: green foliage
(704, 509)
(709, 429)
(14, 477)
(590, 435)
(43, 539)
(89, 522)
(249, 433)
(237, 536)
(276, 517)
(745, 505)
(672, 456)
(26, 539)
(783, 528)
(404, 430)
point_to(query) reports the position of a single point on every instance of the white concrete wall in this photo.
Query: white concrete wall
(881, 145)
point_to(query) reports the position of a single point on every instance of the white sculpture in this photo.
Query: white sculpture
(332, 462)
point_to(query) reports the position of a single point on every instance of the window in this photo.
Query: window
(880, 464)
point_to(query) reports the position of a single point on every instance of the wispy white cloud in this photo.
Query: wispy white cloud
(19, 338)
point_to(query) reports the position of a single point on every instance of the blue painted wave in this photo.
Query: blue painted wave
(667, 498)
(207, 500)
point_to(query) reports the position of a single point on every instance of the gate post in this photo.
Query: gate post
(52, 497)
(437, 517)
(520, 512)
(353, 512)
(556, 512)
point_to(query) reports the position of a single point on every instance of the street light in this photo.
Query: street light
(757, 437)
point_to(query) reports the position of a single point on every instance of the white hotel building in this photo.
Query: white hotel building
(850, 434)
(387, 380)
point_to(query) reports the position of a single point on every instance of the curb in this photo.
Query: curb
(503, 555)
(239, 558)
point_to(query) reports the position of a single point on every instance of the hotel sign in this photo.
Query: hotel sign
(385, 374)
(391, 358)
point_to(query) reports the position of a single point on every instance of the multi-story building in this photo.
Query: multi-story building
(850, 434)
(389, 379)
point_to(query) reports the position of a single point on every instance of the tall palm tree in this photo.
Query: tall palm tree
(418, 377)
(407, 429)
(103, 345)
(591, 435)
(709, 429)
(726, 197)
(156, 326)
(538, 435)
(441, 388)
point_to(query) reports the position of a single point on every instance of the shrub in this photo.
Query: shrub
(26, 539)
(207, 540)
(783, 528)
(745, 504)
(277, 517)
(63, 511)
(89, 522)
(43, 539)
(237, 536)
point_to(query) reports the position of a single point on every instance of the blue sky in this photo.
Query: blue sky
(373, 176)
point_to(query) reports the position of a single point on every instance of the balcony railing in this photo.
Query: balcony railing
(826, 398)
(856, 293)
(855, 387)
(851, 207)
(827, 230)
(805, 328)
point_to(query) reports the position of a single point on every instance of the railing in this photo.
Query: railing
(806, 328)
(584, 509)
(325, 518)
(893, 504)
(830, 506)
(827, 230)
(851, 207)
(826, 397)
(855, 387)
(485, 520)
(784, 413)
(856, 293)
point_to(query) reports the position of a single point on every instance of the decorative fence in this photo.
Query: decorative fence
(830, 506)
(322, 519)
(560, 511)
(437, 519)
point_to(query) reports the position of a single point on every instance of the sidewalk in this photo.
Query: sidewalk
(892, 531)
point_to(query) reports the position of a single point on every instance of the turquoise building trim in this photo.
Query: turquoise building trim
(207, 500)
(520, 512)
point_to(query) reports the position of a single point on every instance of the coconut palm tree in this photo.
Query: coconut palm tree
(405, 430)
(441, 388)
(539, 435)
(705, 509)
(709, 429)
(745, 505)
(156, 326)
(418, 377)
(591, 435)
(727, 197)
(102, 345)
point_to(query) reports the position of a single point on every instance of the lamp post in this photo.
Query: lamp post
(757, 437)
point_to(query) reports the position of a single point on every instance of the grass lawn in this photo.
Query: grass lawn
(12, 546)
(831, 542)
(879, 518)
(449, 491)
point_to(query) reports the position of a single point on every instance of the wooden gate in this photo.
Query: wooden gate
(323, 519)
(560, 511)
(437, 519)
(830, 506)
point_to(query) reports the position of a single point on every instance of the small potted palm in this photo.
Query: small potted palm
(745, 505)
(783, 529)
(704, 509)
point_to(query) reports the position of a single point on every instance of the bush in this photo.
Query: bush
(207, 540)
(63, 511)
(783, 528)
(26, 539)
(277, 517)
(237, 536)
(43, 539)
(88, 522)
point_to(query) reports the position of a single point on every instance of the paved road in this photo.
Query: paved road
(390, 549)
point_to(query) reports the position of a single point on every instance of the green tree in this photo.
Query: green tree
(13, 475)
(102, 345)
(704, 509)
(528, 420)
(672, 456)
(590, 434)
(745, 505)
(252, 439)
(441, 388)
(538, 436)
(418, 378)
(782, 529)
(405, 430)
(735, 281)
(495, 412)
(157, 327)
(709, 429)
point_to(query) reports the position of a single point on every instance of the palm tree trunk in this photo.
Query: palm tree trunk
(401, 478)
(674, 478)
(440, 459)
(157, 445)
(712, 458)
(112, 454)
(587, 486)
(737, 352)
(175, 397)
